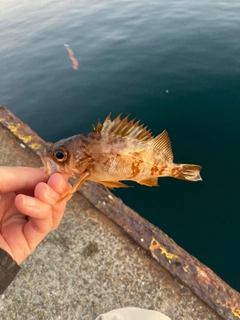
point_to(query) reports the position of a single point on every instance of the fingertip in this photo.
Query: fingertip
(59, 183)
(46, 193)
(19, 200)
(40, 190)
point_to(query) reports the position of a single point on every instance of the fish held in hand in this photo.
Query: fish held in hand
(115, 151)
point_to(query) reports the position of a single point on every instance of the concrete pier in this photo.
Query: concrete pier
(89, 266)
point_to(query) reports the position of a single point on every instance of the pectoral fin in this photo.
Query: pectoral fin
(152, 182)
(114, 184)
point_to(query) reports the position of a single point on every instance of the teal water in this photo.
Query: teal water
(173, 64)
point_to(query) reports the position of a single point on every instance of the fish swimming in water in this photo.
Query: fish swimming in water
(71, 57)
(116, 150)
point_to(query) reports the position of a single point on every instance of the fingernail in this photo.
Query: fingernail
(62, 184)
(47, 192)
(29, 201)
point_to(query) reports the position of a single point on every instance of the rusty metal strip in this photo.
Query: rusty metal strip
(200, 279)
(21, 130)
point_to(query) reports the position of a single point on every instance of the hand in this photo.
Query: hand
(28, 209)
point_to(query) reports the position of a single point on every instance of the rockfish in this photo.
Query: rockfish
(116, 150)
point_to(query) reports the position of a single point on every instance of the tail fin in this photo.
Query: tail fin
(190, 172)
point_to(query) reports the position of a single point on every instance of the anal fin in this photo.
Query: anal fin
(151, 182)
(114, 184)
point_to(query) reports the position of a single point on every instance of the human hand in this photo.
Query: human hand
(28, 209)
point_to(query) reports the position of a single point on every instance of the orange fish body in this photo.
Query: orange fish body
(117, 150)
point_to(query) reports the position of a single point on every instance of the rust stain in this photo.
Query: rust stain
(202, 274)
(235, 312)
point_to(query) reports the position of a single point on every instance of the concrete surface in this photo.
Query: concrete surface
(89, 266)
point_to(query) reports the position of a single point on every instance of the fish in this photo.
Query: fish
(117, 150)
(71, 57)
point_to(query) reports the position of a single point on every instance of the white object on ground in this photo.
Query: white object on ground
(132, 314)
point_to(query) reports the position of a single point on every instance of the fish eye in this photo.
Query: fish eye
(60, 155)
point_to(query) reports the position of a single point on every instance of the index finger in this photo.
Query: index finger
(20, 178)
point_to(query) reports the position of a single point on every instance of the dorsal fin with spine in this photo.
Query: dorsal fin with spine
(124, 128)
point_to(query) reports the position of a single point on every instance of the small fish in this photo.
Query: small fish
(71, 57)
(116, 150)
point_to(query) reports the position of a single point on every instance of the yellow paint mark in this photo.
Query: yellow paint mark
(156, 245)
(236, 313)
(25, 139)
(14, 129)
(35, 146)
(186, 268)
